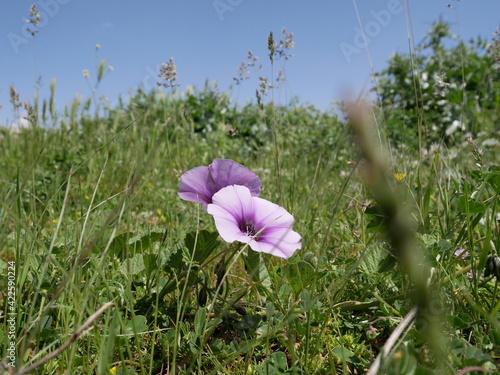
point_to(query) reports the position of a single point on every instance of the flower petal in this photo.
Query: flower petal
(282, 249)
(233, 208)
(196, 186)
(227, 172)
(236, 200)
(227, 224)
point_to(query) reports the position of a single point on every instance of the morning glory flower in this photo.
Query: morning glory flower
(263, 225)
(201, 183)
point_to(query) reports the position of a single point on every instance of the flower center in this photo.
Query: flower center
(249, 229)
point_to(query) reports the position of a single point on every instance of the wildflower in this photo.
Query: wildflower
(399, 176)
(85, 73)
(263, 225)
(461, 254)
(201, 183)
(168, 73)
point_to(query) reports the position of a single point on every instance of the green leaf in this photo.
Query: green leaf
(474, 207)
(377, 215)
(277, 361)
(172, 258)
(344, 354)
(119, 245)
(377, 258)
(257, 268)
(136, 325)
(199, 321)
(424, 371)
(203, 244)
(127, 243)
(493, 178)
(150, 263)
(145, 241)
(133, 266)
(300, 275)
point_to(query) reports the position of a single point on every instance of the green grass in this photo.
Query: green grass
(91, 216)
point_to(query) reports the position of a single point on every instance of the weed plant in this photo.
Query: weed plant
(393, 237)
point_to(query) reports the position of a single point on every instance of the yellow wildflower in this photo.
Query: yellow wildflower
(399, 176)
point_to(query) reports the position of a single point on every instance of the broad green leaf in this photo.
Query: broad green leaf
(133, 266)
(199, 321)
(202, 244)
(274, 365)
(136, 325)
(344, 354)
(493, 178)
(299, 275)
(144, 242)
(172, 258)
(474, 207)
(278, 361)
(119, 244)
(127, 243)
(377, 258)
(150, 263)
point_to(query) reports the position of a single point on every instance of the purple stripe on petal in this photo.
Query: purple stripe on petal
(226, 223)
(265, 226)
(236, 200)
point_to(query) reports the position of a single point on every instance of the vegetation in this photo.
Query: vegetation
(396, 235)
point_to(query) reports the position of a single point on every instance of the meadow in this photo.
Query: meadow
(106, 270)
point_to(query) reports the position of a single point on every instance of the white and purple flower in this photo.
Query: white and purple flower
(201, 183)
(461, 254)
(263, 225)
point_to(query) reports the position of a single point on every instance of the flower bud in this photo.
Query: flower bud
(202, 296)
(220, 270)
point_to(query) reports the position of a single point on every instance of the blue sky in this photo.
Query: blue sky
(209, 39)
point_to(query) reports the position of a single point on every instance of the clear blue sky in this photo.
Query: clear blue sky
(210, 38)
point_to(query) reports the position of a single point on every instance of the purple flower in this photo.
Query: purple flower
(201, 183)
(461, 254)
(264, 226)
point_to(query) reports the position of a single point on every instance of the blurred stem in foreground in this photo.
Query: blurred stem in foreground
(399, 232)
